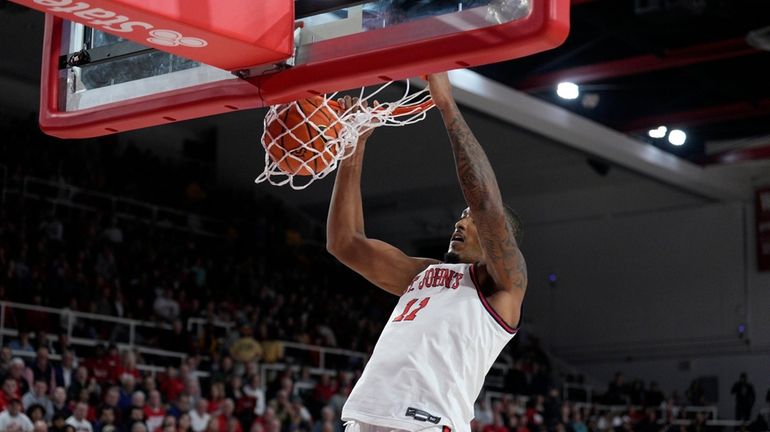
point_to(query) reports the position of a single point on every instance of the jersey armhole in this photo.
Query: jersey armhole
(492, 312)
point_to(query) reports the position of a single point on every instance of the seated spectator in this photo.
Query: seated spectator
(59, 423)
(17, 373)
(79, 383)
(35, 413)
(22, 343)
(40, 426)
(200, 417)
(136, 415)
(38, 395)
(9, 392)
(165, 306)
(112, 399)
(41, 369)
(171, 384)
(154, 411)
(227, 416)
(112, 362)
(324, 390)
(59, 403)
(127, 367)
(217, 396)
(184, 423)
(106, 418)
(180, 406)
(327, 422)
(5, 360)
(97, 365)
(14, 419)
(255, 394)
(78, 418)
(64, 373)
(139, 427)
(127, 391)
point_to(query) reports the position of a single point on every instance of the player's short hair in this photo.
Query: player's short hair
(514, 223)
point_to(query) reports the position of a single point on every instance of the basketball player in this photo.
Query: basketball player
(454, 317)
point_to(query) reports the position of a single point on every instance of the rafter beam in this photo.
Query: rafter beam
(713, 114)
(674, 58)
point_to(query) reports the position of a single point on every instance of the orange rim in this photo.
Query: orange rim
(398, 112)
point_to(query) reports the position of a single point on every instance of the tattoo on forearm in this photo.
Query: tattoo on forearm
(479, 186)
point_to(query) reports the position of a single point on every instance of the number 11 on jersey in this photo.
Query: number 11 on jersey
(406, 315)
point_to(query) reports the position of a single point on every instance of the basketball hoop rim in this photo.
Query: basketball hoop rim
(397, 112)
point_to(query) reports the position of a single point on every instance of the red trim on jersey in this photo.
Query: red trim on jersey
(488, 306)
(446, 429)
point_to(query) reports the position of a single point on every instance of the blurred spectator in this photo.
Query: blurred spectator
(22, 343)
(113, 233)
(59, 403)
(328, 422)
(743, 391)
(184, 423)
(14, 419)
(36, 413)
(78, 418)
(200, 417)
(41, 369)
(227, 417)
(106, 417)
(9, 392)
(59, 423)
(64, 372)
(40, 426)
(5, 359)
(17, 374)
(165, 306)
(38, 395)
(154, 411)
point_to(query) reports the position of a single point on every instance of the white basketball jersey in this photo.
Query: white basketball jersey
(430, 361)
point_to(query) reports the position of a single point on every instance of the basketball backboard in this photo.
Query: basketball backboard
(95, 82)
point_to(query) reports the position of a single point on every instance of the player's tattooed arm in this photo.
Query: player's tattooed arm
(504, 260)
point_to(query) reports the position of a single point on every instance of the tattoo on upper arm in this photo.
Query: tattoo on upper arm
(479, 186)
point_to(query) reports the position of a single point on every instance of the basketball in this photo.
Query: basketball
(297, 137)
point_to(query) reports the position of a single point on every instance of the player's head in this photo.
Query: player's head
(465, 246)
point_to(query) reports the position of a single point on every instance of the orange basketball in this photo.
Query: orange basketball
(306, 143)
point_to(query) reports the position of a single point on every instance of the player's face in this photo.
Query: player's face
(464, 244)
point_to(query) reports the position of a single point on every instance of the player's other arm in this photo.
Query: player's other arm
(381, 263)
(504, 262)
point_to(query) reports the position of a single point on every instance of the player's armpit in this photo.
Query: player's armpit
(380, 263)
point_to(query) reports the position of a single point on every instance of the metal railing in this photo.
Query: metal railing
(130, 331)
(68, 319)
(324, 352)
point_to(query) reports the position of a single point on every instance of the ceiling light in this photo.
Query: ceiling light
(677, 137)
(660, 132)
(568, 90)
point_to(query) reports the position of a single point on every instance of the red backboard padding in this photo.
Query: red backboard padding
(346, 62)
(232, 34)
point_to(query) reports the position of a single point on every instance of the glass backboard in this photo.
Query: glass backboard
(96, 82)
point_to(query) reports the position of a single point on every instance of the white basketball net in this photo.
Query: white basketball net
(306, 150)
